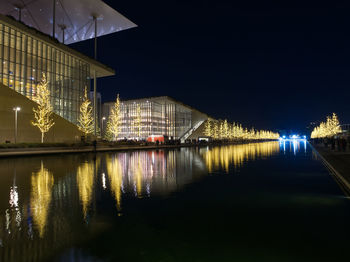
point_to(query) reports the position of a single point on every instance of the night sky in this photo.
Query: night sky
(272, 65)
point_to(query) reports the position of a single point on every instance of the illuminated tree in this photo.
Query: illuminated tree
(43, 112)
(335, 125)
(114, 120)
(231, 131)
(329, 128)
(208, 128)
(226, 133)
(138, 119)
(221, 130)
(86, 119)
(216, 130)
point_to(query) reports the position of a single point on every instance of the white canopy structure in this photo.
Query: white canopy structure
(70, 21)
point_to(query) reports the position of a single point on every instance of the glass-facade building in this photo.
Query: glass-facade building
(25, 54)
(160, 116)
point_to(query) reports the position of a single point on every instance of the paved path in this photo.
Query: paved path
(339, 161)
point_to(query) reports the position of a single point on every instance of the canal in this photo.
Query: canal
(271, 201)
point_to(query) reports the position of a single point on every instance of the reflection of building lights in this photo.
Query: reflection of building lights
(13, 197)
(104, 181)
(7, 216)
(295, 144)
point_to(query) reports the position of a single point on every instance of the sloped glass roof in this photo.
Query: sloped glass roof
(76, 16)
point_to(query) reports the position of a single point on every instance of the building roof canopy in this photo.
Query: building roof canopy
(75, 16)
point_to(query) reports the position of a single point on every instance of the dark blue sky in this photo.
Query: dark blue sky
(270, 65)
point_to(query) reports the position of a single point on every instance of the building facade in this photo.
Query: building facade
(26, 54)
(158, 116)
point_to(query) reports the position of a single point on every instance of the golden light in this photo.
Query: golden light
(86, 119)
(237, 155)
(114, 121)
(85, 182)
(43, 112)
(41, 194)
(327, 129)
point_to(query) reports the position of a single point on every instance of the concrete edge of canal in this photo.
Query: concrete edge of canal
(14, 152)
(69, 150)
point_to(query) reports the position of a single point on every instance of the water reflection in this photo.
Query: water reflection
(51, 206)
(295, 145)
(236, 155)
(143, 173)
(115, 175)
(41, 195)
(85, 182)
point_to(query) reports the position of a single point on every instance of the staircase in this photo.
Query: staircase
(190, 131)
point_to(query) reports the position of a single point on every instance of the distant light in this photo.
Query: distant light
(16, 108)
(304, 136)
(284, 137)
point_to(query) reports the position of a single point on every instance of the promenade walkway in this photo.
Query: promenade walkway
(339, 160)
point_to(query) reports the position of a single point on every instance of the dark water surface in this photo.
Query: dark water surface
(257, 202)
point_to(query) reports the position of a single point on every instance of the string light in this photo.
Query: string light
(114, 121)
(43, 112)
(222, 130)
(329, 128)
(86, 120)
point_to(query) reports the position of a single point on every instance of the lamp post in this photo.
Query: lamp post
(16, 109)
(102, 120)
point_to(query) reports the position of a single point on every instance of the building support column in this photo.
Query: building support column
(63, 27)
(53, 18)
(95, 80)
(19, 8)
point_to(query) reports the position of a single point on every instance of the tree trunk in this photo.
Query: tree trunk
(42, 137)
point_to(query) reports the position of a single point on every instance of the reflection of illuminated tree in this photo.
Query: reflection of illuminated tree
(115, 174)
(85, 182)
(42, 183)
(223, 157)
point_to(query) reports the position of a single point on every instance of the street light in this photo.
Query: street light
(102, 120)
(16, 109)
